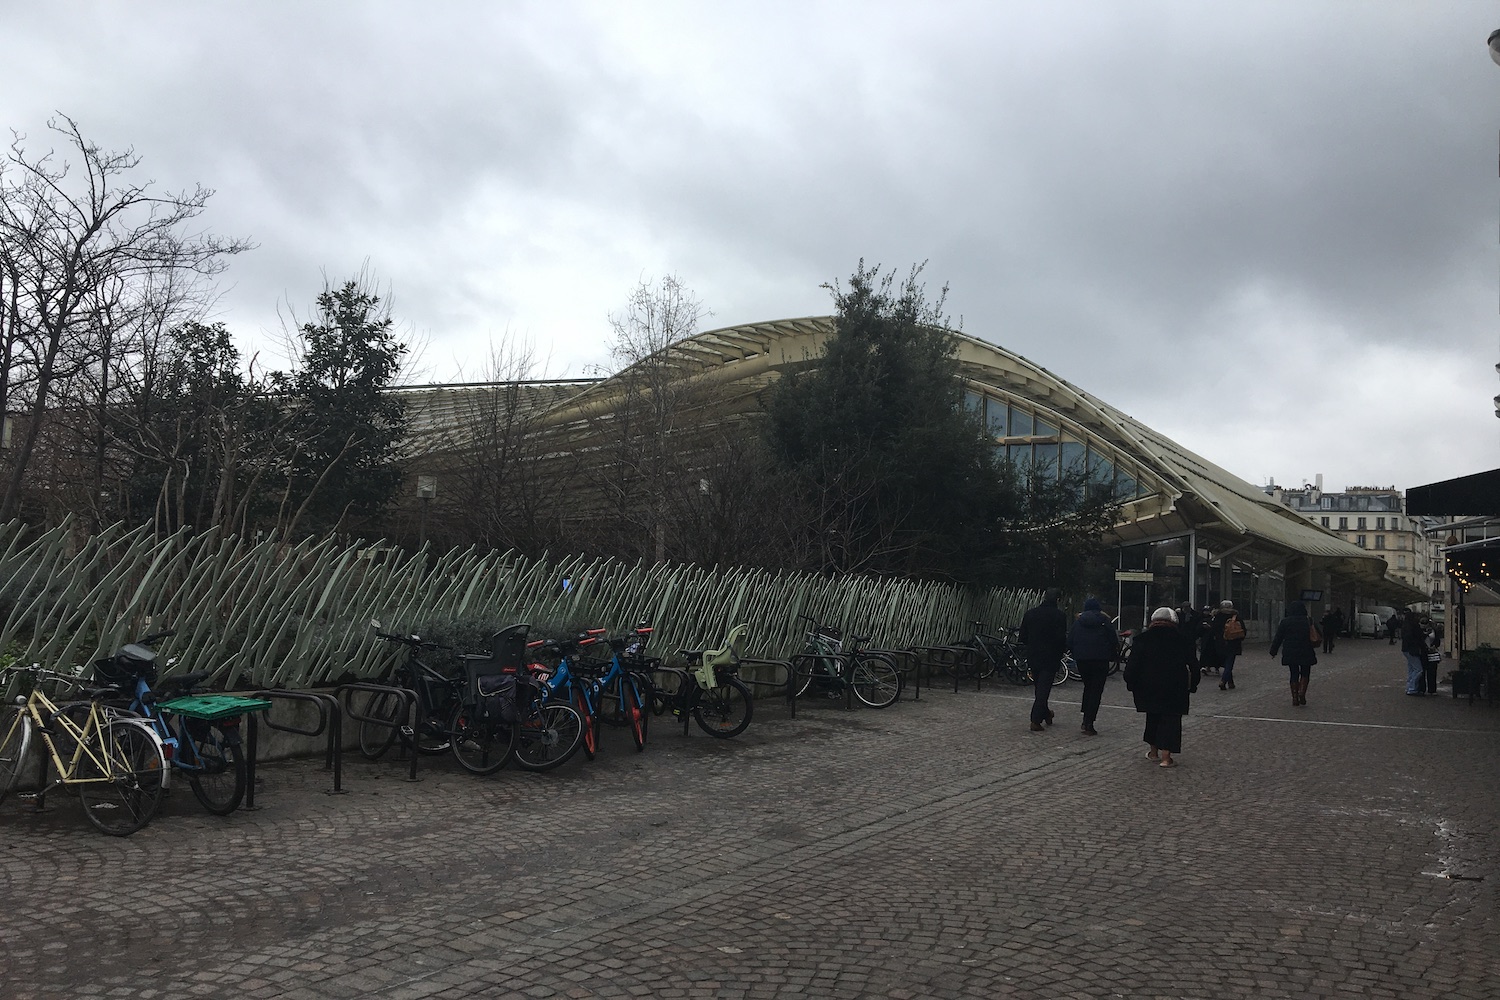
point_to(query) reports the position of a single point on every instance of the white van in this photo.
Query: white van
(1367, 625)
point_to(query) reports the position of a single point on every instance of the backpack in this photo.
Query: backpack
(1234, 628)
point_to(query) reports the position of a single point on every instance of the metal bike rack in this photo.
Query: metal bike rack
(814, 657)
(913, 663)
(786, 685)
(330, 720)
(407, 695)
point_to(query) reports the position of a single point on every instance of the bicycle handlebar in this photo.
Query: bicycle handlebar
(415, 642)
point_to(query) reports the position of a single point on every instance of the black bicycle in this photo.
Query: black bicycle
(708, 691)
(437, 695)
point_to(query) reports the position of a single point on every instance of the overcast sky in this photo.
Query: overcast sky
(1268, 230)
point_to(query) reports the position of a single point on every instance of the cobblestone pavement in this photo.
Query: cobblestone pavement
(936, 849)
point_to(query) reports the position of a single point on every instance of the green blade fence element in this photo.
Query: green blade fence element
(266, 613)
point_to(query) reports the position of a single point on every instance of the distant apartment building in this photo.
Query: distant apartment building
(1374, 518)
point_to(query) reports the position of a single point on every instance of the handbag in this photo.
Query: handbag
(1435, 656)
(1313, 635)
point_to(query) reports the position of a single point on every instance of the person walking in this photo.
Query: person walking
(1229, 641)
(1299, 650)
(1392, 628)
(1162, 673)
(1329, 623)
(1093, 642)
(1044, 633)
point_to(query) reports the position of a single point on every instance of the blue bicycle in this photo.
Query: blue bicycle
(207, 753)
(621, 694)
(563, 683)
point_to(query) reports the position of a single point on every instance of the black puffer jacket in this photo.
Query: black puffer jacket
(1092, 635)
(1292, 637)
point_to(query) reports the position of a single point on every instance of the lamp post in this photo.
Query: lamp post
(426, 491)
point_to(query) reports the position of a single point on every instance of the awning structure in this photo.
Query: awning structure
(1467, 496)
(1474, 562)
(1174, 491)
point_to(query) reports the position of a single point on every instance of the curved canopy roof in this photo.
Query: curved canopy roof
(1175, 490)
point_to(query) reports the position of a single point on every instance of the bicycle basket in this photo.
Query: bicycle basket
(830, 631)
(127, 664)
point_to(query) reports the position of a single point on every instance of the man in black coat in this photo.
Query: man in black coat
(1044, 633)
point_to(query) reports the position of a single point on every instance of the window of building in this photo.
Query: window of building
(1045, 462)
(975, 402)
(1044, 429)
(995, 418)
(1380, 541)
(1360, 541)
(1343, 524)
(1325, 522)
(1361, 523)
(1326, 503)
(1019, 455)
(1400, 562)
(1020, 422)
(1074, 457)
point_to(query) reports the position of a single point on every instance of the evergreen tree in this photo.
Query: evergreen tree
(895, 474)
(342, 424)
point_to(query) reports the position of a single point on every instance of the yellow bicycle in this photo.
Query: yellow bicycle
(115, 763)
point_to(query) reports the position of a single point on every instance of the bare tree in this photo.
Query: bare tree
(656, 388)
(81, 250)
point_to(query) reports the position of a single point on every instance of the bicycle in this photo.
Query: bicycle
(708, 691)
(484, 727)
(833, 670)
(208, 753)
(621, 695)
(116, 764)
(437, 694)
(1122, 651)
(565, 684)
(549, 731)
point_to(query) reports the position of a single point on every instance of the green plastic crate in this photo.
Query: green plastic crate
(214, 706)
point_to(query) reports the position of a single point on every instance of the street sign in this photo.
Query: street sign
(1132, 576)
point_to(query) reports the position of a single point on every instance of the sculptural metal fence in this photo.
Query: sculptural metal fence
(271, 614)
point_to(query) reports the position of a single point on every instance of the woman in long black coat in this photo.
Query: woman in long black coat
(1298, 653)
(1162, 673)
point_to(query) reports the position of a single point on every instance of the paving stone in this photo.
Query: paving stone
(935, 849)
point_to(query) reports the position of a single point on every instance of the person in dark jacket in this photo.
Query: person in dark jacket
(1044, 633)
(1414, 649)
(1331, 623)
(1092, 641)
(1293, 639)
(1228, 649)
(1162, 674)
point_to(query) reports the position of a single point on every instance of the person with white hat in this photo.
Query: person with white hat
(1162, 673)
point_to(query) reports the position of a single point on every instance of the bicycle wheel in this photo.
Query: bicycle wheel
(724, 711)
(636, 704)
(548, 736)
(481, 745)
(876, 680)
(375, 738)
(590, 739)
(214, 764)
(820, 673)
(15, 743)
(121, 796)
